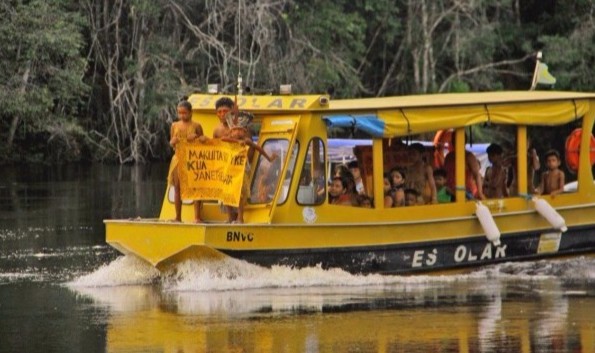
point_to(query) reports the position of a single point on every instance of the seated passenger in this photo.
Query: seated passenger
(411, 197)
(338, 193)
(357, 176)
(420, 174)
(397, 177)
(388, 198)
(552, 180)
(494, 183)
(443, 194)
(364, 201)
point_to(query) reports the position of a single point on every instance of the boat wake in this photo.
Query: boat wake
(232, 274)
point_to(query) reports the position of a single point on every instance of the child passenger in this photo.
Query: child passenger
(183, 130)
(411, 197)
(238, 124)
(443, 194)
(552, 180)
(339, 193)
(397, 177)
(223, 106)
(388, 199)
(495, 180)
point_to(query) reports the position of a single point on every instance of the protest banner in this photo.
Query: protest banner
(213, 170)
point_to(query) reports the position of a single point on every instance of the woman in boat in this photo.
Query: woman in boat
(183, 130)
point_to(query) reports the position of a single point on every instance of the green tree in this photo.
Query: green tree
(41, 78)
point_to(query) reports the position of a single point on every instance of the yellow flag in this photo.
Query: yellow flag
(544, 76)
(211, 171)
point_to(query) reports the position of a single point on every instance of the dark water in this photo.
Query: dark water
(62, 289)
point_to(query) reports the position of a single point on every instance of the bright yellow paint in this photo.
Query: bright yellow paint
(299, 119)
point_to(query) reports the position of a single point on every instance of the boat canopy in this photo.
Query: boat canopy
(403, 117)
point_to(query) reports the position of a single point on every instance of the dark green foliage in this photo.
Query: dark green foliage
(84, 80)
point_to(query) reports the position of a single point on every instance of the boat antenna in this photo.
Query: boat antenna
(239, 41)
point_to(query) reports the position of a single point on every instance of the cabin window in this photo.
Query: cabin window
(408, 169)
(494, 146)
(312, 187)
(350, 157)
(267, 174)
(556, 143)
(288, 173)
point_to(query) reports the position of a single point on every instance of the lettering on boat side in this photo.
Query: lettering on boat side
(239, 236)
(462, 253)
(256, 103)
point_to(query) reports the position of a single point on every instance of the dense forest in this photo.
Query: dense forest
(98, 80)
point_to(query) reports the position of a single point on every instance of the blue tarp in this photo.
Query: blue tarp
(367, 123)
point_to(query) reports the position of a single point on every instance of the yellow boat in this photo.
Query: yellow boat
(294, 224)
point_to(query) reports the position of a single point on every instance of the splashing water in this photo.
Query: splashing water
(232, 274)
(126, 270)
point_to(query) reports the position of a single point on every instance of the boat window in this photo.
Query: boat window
(312, 187)
(349, 143)
(560, 146)
(267, 174)
(409, 166)
(288, 173)
(498, 160)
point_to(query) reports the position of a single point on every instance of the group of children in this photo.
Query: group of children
(233, 127)
(419, 183)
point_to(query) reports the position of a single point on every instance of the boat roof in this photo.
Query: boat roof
(455, 99)
(389, 117)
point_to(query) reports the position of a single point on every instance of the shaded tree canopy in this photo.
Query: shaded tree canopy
(90, 80)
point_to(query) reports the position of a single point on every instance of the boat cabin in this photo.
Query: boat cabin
(313, 135)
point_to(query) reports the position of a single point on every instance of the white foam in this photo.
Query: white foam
(232, 274)
(125, 270)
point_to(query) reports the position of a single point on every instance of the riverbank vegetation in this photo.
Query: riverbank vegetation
(98, 80)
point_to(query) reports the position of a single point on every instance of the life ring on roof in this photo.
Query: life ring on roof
(442, 145)
(573, 146)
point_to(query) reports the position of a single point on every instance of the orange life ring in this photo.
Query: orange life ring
(573, 145)
(442, 143)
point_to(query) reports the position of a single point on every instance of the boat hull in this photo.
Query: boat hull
(163, 244)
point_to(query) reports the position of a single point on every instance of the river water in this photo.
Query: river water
(62, 289)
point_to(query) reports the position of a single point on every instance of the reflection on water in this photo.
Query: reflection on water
(487, 311)
(62, 289)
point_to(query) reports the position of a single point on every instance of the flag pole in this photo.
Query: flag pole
(538, 57)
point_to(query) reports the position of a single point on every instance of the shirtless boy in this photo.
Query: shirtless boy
(495, 182)
(183, 130)
(242, 135)
(222, 106)
(552, 180)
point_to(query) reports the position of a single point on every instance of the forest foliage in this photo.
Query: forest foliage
(98, 80)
